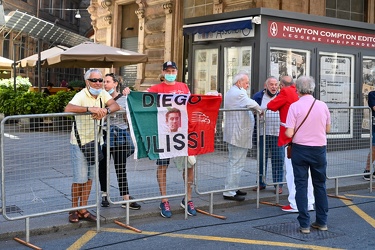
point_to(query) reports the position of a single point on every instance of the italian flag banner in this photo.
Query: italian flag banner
(169, 125)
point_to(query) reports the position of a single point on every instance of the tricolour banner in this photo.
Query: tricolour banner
(169, 125)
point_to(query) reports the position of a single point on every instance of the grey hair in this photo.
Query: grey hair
(269, 78)
(239, 76)
(285, 82)
(305, 85)
(88, 73)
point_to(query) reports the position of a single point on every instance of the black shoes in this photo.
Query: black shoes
(239, 192)
(105, 202)
(234, 198)
(367, 176)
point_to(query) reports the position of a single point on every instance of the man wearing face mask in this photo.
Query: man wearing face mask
(238, 132)
(97, 103)
(272, 127)
(171, 86)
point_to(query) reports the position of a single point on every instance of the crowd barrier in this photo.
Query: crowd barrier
(36, 168)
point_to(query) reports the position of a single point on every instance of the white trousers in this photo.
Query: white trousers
(289, 176)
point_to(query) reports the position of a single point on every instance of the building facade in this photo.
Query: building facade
(154, 27)
(17, 45)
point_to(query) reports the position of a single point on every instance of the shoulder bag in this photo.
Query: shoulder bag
(289, 145)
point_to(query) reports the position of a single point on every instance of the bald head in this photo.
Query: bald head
(286, 81)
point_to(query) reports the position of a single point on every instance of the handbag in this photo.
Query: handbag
(88, 149)
(289, 145)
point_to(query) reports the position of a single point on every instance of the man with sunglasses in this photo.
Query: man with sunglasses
(97, 103)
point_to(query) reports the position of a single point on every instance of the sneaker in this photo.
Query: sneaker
(165, 210)
(319, 227)
(190, 209)
(288, 208)
(133, 206)
(304, 230)
(367, 176)
(105, 202)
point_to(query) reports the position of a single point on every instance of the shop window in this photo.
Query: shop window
(291, 62)
(368, 84)
(336, 89)
(6, 46)
(198, 8)
(346, 9)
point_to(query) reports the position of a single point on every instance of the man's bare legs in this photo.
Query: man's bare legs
(80, 196)
(190, 174)
(161, 174)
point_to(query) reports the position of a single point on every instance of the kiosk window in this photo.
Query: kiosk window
(368, 84)
(236, 59)
(205, 71)
(292, 62)
(337, 88)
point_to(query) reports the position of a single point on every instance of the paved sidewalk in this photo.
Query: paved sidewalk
(59, 222)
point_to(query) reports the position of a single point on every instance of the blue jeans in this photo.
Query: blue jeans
(237, 159)
(303, 159)
(277, 159)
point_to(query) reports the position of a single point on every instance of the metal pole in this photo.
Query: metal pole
(39, 65)
(14, 67)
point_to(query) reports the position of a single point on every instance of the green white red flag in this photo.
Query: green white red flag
(152, 136)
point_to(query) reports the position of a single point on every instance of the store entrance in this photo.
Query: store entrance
(214, 68)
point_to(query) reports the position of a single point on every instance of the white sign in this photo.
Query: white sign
(220, 35)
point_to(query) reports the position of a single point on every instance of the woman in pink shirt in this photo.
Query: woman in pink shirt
(309, 152)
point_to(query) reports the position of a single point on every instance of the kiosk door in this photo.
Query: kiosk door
(236, 59)
(207, 62)
(205, 71)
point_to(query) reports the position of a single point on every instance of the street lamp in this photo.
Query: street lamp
(77, 15)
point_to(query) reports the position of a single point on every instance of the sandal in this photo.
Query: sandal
(86, 215)
(73, 217)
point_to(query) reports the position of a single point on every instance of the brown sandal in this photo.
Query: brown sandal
(73, 217)
(86, 215)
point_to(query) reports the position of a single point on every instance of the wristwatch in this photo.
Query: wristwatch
(108, 111)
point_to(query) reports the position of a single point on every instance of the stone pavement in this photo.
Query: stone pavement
(59, 222)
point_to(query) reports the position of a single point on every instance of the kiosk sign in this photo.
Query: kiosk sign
(321, 35)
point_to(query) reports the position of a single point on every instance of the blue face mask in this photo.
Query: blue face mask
(111, 91)
(95, 91)
(170, 78)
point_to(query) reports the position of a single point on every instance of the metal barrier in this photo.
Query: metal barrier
(36, 167)
(349, 143)
(141, 186)
(37, 175)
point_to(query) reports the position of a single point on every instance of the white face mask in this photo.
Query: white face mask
(244, 90)
(111, 91)
(95, 91)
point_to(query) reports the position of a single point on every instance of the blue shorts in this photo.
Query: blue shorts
(82, 172)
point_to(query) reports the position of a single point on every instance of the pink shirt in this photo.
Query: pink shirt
(177, 88)
(313, 130)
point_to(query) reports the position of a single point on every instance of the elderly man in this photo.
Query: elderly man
(98, 103)
(272, 127)
(238, 131)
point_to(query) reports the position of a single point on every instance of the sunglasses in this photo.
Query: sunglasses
(95, 79)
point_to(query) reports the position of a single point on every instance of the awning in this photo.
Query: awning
(35, 27)
(218, 26)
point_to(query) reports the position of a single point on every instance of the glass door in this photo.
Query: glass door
(236, 59)
(205, 71)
